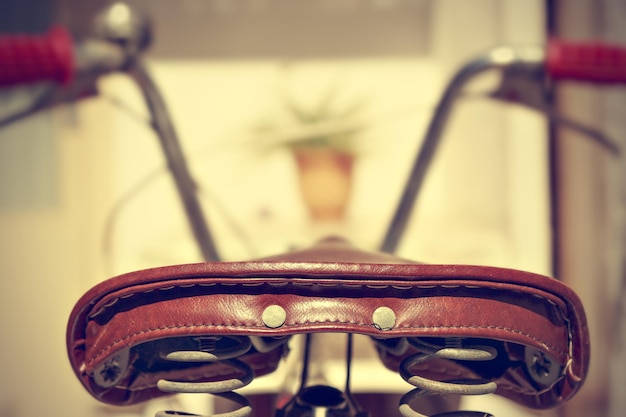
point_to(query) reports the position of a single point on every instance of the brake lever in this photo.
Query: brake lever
(528, 88)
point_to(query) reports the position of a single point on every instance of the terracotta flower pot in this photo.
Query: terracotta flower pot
(325, 177)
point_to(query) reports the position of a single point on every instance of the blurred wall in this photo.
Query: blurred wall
(590, 190)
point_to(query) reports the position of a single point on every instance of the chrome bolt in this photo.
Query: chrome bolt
(543, 369)
(123, 25)
(112, 370)
(207, 343)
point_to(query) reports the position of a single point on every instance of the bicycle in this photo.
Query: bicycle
(127, 345)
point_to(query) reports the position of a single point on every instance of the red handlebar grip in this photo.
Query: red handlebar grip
(591, 62)
(30, 58)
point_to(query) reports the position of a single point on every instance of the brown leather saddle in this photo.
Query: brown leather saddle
(212, 327)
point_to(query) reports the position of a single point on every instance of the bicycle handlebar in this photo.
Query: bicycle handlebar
(54, 57)
(588, 62)
(51, 57)
(594, 63)
(30, 58)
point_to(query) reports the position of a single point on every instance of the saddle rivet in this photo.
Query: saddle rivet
(274, 316)
(384, 318)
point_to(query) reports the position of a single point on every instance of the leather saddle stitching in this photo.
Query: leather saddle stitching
(109, 304)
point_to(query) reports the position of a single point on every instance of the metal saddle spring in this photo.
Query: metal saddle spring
(212, 349)
(424, 386)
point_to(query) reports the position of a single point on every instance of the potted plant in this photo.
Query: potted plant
(323, 144)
